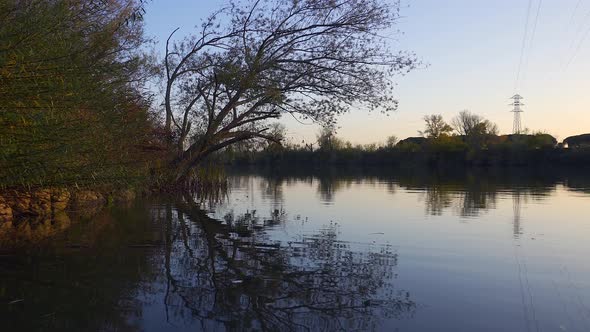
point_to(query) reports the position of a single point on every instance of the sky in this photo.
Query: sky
(472, 49)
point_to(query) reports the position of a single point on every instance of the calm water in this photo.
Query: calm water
(410, 251)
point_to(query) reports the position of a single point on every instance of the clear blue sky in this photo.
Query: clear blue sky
(473, 49)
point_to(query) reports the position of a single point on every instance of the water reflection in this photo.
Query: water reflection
(464, 193)
(81, 280)
(239, 279)
(173, 261)
(32, 230)
(166, 264)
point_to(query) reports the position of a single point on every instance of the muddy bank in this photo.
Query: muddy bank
(30, 216)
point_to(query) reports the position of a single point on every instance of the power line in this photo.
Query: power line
(581, 25)
(529, 49)
(575, 10)
(584, 36)
(535, 24)
(577, 50)
(571, 22)
(570, 26)
(524, 38)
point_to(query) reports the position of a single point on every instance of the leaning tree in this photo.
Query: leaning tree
(256, 60)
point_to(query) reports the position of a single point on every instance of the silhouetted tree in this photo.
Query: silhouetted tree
(435, 126)
(391, 141)
(312, 58)
(467, 123)
(474, 128)
(327, 139)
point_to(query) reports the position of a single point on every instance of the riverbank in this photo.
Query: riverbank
(413, 156)
(43, 203)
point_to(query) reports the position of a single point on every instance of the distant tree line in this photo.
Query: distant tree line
(468, 140)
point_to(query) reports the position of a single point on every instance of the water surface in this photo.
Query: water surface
(310, 250)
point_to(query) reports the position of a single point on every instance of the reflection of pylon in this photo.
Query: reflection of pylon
(516, 210)
(516, 128)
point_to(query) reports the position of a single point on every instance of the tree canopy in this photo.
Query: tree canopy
(435, 126)
(469, 124)
(257, 60)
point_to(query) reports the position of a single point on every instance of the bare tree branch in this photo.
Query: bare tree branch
(315, 58)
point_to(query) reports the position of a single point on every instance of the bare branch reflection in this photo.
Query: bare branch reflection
(231, 274)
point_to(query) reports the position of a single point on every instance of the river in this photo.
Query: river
(318, 250)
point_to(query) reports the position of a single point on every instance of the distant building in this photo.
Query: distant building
(579, 141)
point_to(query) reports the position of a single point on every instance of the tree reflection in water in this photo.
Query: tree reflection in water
(473, 197)
(231, 274)
(466, 192)
(167, 257)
